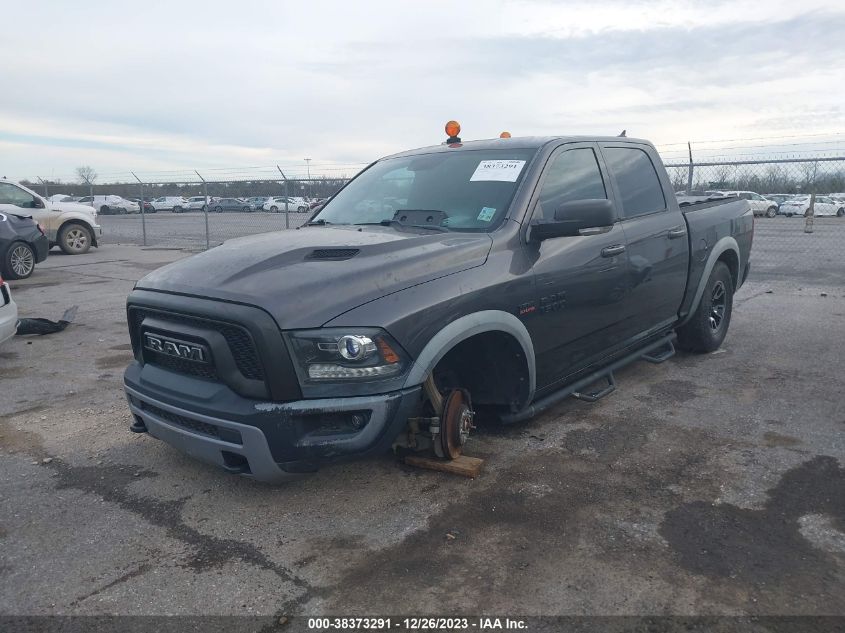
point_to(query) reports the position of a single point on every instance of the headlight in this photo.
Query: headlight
(345, 355)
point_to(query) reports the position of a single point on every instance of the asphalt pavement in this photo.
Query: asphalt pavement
(705, 485)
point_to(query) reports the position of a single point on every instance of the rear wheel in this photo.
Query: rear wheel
(105, 210)
(274, 209)
(245, 209)
(302, 209)
(771, 212)
(840, 213)
(75, 239)
(19, 261)
(708, 326)
(177, 209)
(218, 209)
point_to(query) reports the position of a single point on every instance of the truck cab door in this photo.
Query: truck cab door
(580, 281)
(656, 235)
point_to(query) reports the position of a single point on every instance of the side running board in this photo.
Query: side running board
(655, 352)
(601, 393)
(660, 355)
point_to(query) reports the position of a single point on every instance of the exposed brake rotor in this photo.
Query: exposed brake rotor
(455, 424)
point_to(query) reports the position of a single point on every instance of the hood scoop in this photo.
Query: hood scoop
(333, 254)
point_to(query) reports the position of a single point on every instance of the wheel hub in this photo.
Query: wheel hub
(718, 301)
(456, 422)
(21, 261)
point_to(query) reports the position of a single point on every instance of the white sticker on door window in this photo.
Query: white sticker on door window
(497, 170)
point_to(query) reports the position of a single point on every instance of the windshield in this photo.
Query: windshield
(468, 190)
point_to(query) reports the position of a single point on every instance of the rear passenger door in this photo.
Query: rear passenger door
(656, 236)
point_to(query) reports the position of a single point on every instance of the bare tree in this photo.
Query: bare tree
(86, 175)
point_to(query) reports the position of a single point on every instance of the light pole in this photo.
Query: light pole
(308, 163)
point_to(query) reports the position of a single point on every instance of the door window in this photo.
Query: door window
(9, 194)
(574, 175)
(639, 187)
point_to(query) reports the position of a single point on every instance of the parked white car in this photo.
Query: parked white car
(8, 313)
(62, 197)
(110, 205)
(71, 226)
(196, 203)
(170, 203)
(278, 204)
(824, 206)
(759, 204)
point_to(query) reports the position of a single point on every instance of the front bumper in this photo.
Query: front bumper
(269, 441)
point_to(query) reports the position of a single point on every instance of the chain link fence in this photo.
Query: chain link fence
(787, 245)
(799, 231)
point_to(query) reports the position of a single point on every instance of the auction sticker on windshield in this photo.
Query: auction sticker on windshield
(497, 170)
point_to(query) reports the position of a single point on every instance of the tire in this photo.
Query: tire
(19, 261)
(204, 208)
(708, 326)
(104, 210)
(771, 212)
(274, 209)
(302, 209)
(218, 209)
(177, 209)
(75, 239)
(840, 213)
(245, 209)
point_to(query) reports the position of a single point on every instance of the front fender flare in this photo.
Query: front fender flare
(462, 329)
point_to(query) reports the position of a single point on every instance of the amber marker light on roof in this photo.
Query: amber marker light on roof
(453, 128)
(505, 135)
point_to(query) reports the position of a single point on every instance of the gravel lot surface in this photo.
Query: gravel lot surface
(705, 485)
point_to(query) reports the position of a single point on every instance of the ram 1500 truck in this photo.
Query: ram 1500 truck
(494, 276)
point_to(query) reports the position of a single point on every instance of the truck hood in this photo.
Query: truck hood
(307, 277)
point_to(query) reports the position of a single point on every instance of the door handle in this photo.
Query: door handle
(612, 251)
(678, 231)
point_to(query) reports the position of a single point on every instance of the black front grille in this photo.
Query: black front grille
(240, 343)
(191, 368)
(197, 426)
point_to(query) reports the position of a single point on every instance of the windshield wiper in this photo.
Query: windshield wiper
(320, 222)
(433, 227)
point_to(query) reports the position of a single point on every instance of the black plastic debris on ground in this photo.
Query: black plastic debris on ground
(46, 326)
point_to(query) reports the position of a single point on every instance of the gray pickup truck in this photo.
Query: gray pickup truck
(470, 279)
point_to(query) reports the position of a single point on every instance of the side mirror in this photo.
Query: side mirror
(38, 203)
(571, 218)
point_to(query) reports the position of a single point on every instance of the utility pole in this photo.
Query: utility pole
(308, 164)
(46, 191)
(143, 216)
(205, 207)
(287, 215)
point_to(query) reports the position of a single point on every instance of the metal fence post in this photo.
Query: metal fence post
(143, 215)
(689, 176)
(287, 215)
(205, 207)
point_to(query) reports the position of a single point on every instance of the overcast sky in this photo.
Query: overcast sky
(154, 86)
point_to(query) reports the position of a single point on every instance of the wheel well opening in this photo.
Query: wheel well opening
(492, 366)
(732, 262)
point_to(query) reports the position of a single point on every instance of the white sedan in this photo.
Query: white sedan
(278, 204)
(824, 206)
